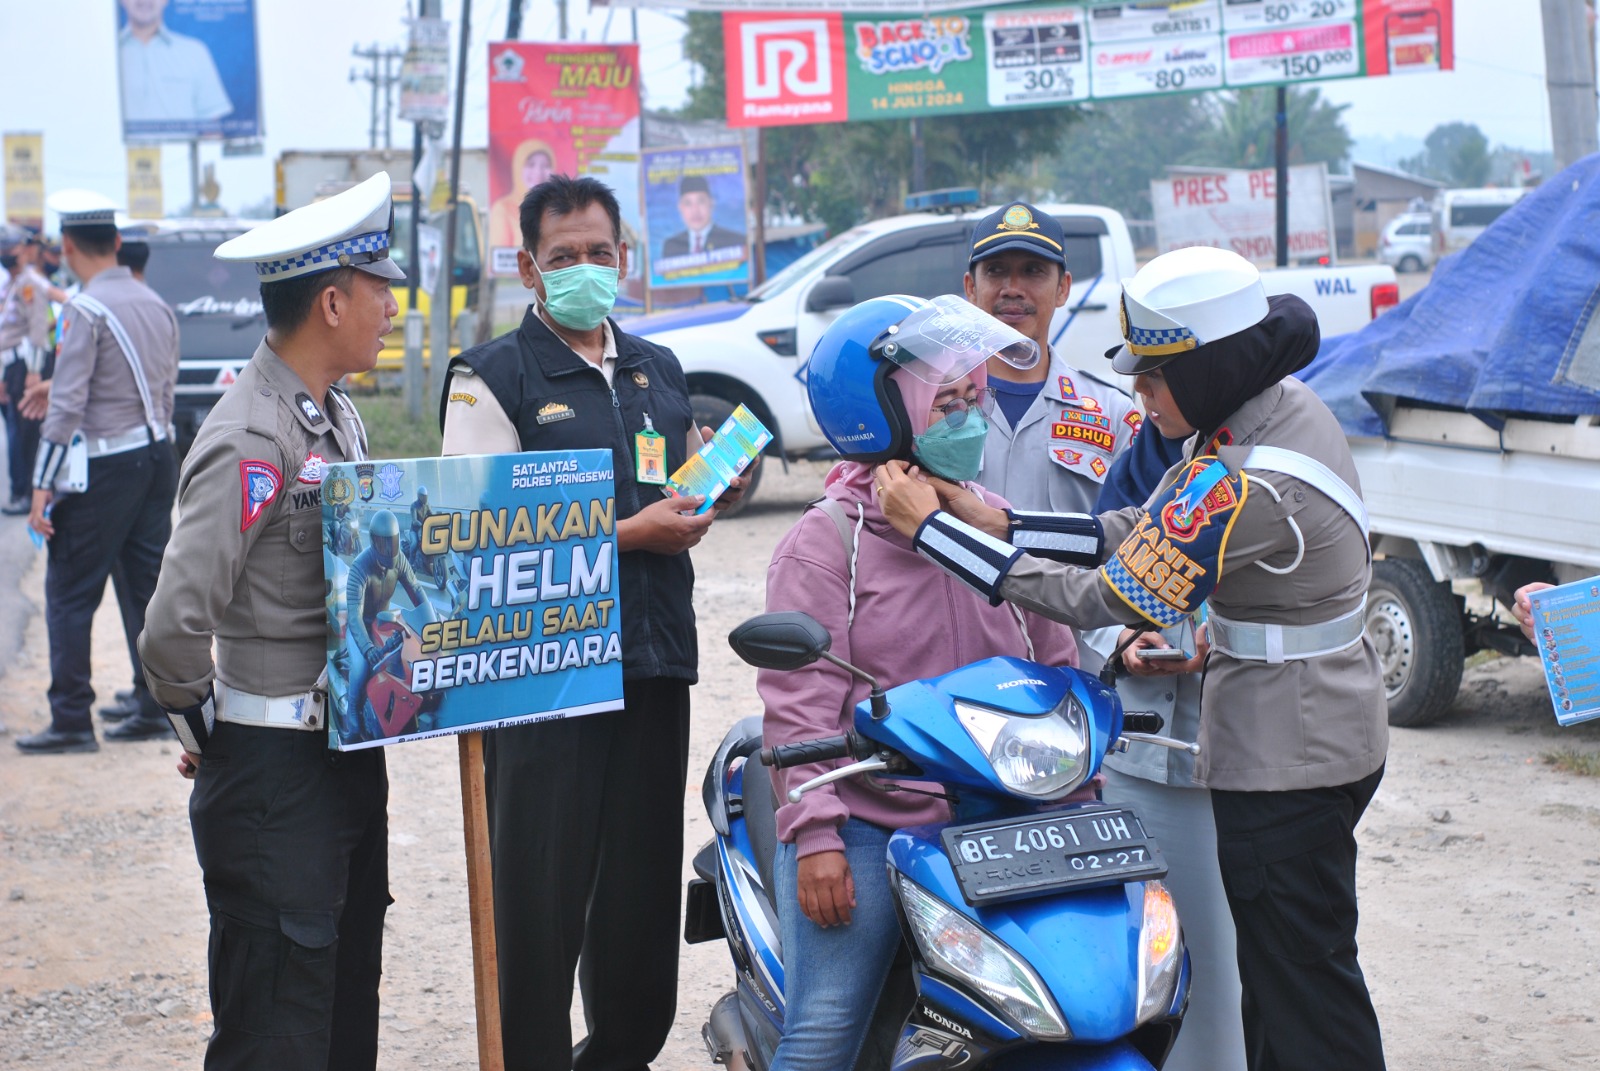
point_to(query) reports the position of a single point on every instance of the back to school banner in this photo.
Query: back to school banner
(469, 593)
(817, 67)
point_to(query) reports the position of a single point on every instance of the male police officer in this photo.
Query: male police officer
(583, 813)
(1056, 429)
(292, 838)
(24, 344)
(115, 374)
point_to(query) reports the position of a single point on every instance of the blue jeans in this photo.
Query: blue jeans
(833, 976)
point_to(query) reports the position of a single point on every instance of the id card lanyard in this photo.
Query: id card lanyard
(650, 455)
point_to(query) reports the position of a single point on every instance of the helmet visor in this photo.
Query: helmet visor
(949, 337)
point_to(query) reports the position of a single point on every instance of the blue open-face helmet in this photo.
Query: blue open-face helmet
(938, 340)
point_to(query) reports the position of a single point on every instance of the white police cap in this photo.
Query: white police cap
(82, 208)
(350, 230)
(1183, 300)
(134, 230)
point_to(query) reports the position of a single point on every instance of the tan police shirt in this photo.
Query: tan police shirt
(93, 389)
(25, 316)
(1309, 723)
(245, 559)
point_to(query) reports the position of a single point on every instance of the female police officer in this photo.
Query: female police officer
(1262, 521)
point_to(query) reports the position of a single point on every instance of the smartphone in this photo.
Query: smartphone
(1163, 654)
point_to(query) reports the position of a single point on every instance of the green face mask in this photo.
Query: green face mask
(953, 453)
(579, 297)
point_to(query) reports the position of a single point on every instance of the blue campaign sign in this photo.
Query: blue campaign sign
(469, 593)
(188, 69)
(695, 213)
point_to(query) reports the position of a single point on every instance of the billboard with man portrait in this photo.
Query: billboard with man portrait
(188, 69)
(694, 201)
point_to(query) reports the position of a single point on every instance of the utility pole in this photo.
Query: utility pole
(1280, 147)
(1569, 80)
(561, 20)
(514, 21)
(384, 80)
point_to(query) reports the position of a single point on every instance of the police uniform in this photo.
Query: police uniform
(1057, 455)
(584, 813)
(291, 837)
(24, 345)
(115, 373)
(1262, 522)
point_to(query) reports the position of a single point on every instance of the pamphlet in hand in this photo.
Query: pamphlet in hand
(1566, 629)
(710, 471)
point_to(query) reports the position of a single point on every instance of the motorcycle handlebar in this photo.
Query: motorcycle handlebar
(1142, 721)
(806, 751)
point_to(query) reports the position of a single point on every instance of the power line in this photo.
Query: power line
(386, 79)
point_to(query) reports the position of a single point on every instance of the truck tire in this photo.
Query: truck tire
(1415, 623)
(710, 411)
(1409, 263)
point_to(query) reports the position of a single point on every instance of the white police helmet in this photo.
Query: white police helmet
(1183, 300)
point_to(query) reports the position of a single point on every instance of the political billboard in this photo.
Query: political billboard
(800, 65)
(24, 168)
(468, 593)
(695, 215)
(1237, 210)
(188, 69)
(564, 108)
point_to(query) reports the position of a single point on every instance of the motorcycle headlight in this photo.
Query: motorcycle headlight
(1160, 952)
(959, 947)
(1040, 758)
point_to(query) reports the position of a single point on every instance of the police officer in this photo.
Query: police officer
(373, 576)
(597, 793)
(292, 839)
(1055, 429)
(1263, 521)
(24, 344)
(115, 373)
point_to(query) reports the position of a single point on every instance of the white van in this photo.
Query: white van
(1459, 216)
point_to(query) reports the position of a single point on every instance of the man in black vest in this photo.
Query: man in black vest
(585, 814)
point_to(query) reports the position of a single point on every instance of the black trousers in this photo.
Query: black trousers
(122, 520)
(1288, 864)
(293, 841)
(22, 434)
(586, 827)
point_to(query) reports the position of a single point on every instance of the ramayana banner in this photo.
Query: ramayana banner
(469, 593)
(805, 64)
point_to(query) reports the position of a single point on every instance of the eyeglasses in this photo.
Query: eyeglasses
(955, 411)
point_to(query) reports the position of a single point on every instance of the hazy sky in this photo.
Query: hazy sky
(60, 78)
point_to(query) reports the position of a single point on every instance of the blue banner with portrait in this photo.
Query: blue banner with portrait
(469, 593)
(694, 202)
(188, 69)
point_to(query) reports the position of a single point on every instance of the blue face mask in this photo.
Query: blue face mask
(955, 453)
(579, 297)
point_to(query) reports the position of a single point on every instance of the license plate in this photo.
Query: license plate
(1079, 849)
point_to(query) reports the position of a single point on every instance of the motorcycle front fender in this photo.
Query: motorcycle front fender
(1117, 1056)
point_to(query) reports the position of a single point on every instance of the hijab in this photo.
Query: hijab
(1210, 384)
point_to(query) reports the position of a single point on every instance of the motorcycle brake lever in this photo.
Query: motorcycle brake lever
(1160, 741)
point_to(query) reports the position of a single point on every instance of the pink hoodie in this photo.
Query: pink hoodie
(912, 620)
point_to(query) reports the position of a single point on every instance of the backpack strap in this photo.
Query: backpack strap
(849, 535)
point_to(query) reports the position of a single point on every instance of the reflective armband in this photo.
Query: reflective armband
(976, 558)
(194, 724)
(1073, 538)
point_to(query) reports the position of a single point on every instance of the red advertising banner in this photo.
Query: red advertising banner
(562, 108)
(785, 69)
(1409, 36)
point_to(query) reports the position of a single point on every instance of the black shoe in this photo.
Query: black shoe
(121, 710)
(140, 727)
(57, 742)
(124, 696)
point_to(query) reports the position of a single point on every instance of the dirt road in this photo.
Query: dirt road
(1479, 868)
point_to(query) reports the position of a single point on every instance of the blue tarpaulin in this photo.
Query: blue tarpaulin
(1503, 329)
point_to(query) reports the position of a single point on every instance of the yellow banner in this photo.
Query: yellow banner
(144, 182)
(25, 179)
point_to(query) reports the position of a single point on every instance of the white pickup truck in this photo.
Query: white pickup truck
(1459, 509)
(754, 351)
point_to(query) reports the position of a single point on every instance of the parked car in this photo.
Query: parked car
(1459, 216)
(1407, 242)
(753, 351)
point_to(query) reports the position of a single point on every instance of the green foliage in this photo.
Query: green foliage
(1571, 760)
(1111, 156)
(1454, 153)
(1244, 129)
(390, 430)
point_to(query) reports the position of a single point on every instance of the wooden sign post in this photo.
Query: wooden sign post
(480, 899)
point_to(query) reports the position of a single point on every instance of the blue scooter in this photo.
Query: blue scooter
(1037, 934)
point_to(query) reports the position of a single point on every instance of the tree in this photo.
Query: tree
(843, 173)
(1110, 157)
(1244, 129)
(1456, 153)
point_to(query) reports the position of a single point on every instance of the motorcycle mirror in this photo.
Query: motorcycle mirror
(788, 639)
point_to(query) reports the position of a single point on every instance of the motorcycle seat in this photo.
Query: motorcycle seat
(761, 821)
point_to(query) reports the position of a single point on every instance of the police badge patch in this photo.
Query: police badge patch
(364, 480)
(389, 476)
(1170, 563)
(309, 408)
(313, 469)
(259, 482)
